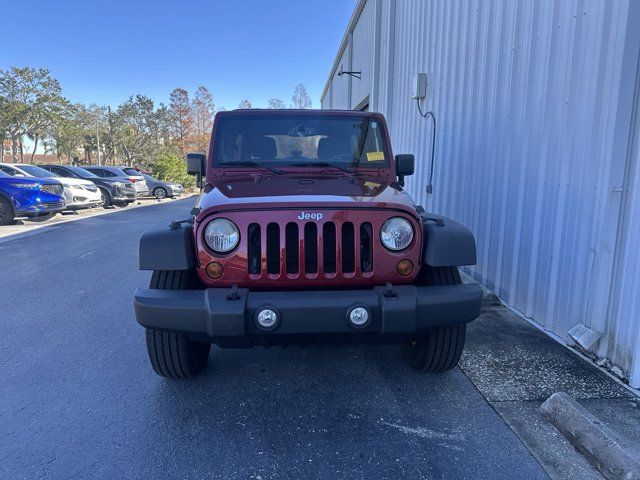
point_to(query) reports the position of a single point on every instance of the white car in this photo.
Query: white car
(78, 193)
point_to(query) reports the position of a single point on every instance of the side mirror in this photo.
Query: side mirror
(196, 163)
(405, 165)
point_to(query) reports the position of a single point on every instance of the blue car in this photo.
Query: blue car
(29, 197)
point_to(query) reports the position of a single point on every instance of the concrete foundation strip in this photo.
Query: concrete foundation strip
(591, 437)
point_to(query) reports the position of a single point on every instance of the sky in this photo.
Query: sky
(104, 51)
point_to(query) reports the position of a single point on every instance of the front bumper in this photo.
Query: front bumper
(175, 191)
(41, 208)
(123, 194)
(221, 313)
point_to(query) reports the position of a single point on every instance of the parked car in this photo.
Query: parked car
(161, 189)
(78, 193)
(113, 191)
(29, 197)
(304, 233)
(142, 190)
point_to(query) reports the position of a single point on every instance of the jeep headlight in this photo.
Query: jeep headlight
(396, 233)
(222, 235)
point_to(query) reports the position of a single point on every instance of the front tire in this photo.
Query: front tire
(175, 355)
(160, 193)
(6, 211)
(105, 198)
(440, 349)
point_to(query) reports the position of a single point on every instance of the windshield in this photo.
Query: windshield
(81, 172)
(37, 171)
(299, 140)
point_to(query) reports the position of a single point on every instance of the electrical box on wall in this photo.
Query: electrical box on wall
(419, 91)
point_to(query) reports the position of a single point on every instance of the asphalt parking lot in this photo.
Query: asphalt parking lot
(79, 398)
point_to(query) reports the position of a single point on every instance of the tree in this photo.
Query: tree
(30, 100)
(181, 120)
(137, 128)
(66, 134)
(276, 103)
(171, 167)
(204, 110)
(245, 104)
(301, 97)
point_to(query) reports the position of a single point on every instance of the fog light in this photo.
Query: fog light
(404, 268)
(359, 317)
(214, 270)
(267, 319)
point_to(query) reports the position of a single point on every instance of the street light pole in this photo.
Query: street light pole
(98, 140)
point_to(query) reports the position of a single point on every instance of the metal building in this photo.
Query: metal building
(537, 146)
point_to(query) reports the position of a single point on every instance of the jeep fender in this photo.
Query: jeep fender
(167, 248)
(447, 243)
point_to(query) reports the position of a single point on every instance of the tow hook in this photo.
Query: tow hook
(233, 293)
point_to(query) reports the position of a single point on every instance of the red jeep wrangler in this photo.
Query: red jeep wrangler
(304, 234)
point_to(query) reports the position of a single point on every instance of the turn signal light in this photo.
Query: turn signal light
(214, 270)
(404, 268)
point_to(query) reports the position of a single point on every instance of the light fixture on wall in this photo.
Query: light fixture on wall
(357, 75)
(419, 94)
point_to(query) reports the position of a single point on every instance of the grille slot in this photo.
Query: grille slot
(348, 248)
(366, 247)
(292, 253)
(311, 248)
(329, 248)
(273, 248)
(254, 248)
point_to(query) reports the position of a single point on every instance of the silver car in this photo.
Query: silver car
(162, 189)
(119, 173)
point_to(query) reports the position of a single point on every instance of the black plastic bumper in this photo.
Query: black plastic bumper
(219, 313)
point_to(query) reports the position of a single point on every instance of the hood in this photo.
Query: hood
(74, 181)
(291, 191)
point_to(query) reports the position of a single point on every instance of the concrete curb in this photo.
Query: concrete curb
(591, 437)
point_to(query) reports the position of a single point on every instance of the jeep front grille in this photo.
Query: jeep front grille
(301, 248)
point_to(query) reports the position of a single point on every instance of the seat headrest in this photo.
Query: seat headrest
(329, 147)
(264, 148)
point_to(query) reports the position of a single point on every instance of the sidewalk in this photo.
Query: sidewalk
(517, 367)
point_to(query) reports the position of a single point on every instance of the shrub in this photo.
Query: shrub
(171, 167)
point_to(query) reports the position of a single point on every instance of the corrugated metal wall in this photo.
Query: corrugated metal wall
(362, 52)
(533, 101)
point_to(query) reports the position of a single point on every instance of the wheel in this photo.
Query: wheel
(105, 198)
(440, 349)
(160, 193)
(6, 211)
(175, 355)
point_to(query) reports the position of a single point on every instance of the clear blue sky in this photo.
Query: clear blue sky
(104, 51)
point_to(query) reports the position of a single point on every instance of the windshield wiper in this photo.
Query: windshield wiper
(249, 163)
(321, 164)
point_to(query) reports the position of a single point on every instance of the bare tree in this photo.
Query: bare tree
(300, 97)
(276, 103)
(203, 111)
(181, 119)
(245, 104)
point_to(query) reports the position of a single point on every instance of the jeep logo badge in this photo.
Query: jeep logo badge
(310, 216)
